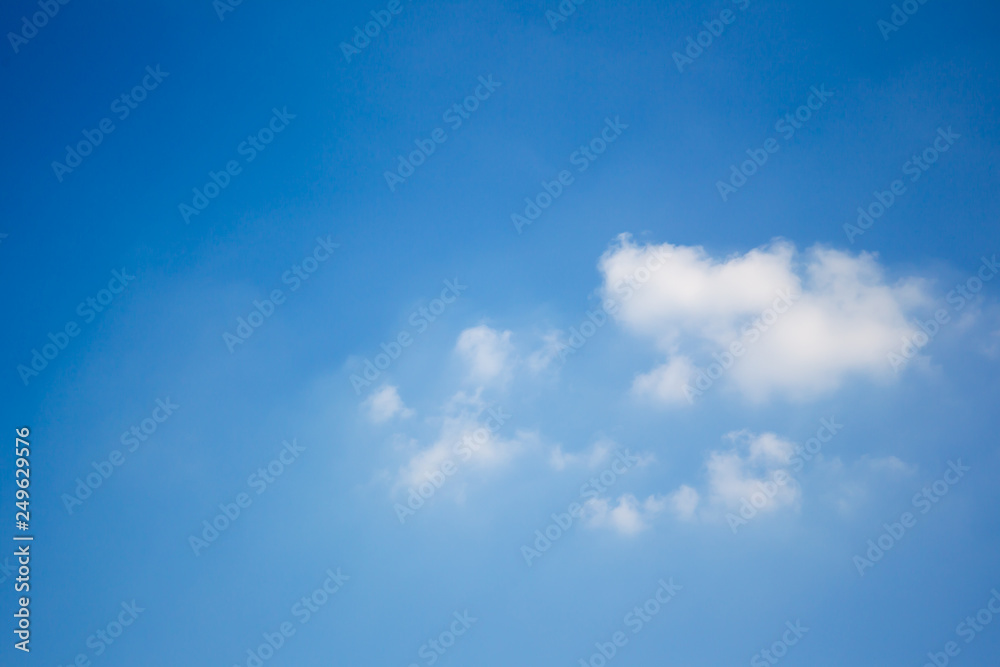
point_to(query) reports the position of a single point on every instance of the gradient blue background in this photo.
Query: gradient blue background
(324, 176)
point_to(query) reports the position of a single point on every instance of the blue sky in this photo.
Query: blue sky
(578, 370)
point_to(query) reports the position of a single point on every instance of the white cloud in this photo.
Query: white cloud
(684, 502)
(628, 516)
(592, 457)
(745, 473)
(756, 475)
(469, 438)
(806, 322)
(992, 347)
(384, 404)
(486, 351)
(666, 382)
(766, 448)
(852, 488)
(542, 358)
(889, 464)
(732, 480)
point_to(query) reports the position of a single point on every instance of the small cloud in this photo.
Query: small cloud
(745, 471)
(853, 487)
(992, 347)
(542, 358)
(684, 502)
(486, 352)
(384, 404)
(760, 471)
(667, 382)
(889, 464)
(468, 438)
(591, 457)
(628, 516)
(769, 449)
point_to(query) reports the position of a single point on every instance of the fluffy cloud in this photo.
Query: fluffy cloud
(756, 475)
(469, 437)
(384, 404)
(851, 488)
(735, 476)
(667, 382)
(684, 502)
(628, 516)
(592, 457)
(542, 358)
(469, 428)
(746, 473)
(486, 352)
(804, 323)
(889, 464)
